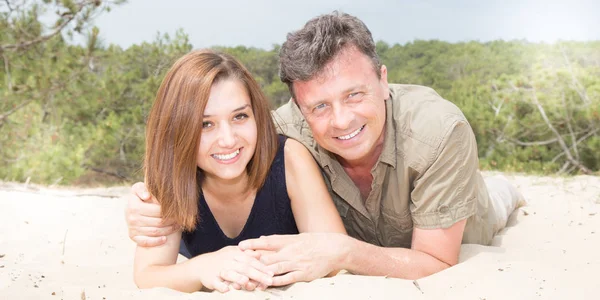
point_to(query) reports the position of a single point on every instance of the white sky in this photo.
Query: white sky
(262, 23)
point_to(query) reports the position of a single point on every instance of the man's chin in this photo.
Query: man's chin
(350, 154)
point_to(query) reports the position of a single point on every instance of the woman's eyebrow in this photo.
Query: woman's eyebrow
(235, 110)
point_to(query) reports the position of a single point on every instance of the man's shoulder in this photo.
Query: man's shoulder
(287, 118)
(420, 113)
(290, 122)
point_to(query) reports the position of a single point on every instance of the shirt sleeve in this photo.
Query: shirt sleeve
(446, 191)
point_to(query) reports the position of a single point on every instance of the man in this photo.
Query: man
(401, 164)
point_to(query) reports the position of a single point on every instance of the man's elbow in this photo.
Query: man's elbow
(424, 272)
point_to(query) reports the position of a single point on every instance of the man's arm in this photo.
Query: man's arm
(306, 256)
(433, 250)
(443, 197)
(142, 215)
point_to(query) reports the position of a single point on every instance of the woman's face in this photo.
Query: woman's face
(229, 132)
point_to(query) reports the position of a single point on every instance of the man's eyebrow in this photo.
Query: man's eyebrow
(235, 110)
(354, 88)
(346, 91)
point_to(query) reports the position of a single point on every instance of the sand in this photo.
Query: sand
(72, 243)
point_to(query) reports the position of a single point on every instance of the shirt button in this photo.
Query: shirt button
(444, 209)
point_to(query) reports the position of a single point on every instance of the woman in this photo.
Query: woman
(216, 165)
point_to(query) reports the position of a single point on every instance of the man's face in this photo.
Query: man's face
(344, 106)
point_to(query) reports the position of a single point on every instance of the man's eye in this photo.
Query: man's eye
(355, 95)
(320, 106)
(206, 124)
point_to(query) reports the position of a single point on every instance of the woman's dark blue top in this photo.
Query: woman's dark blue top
(271, 214)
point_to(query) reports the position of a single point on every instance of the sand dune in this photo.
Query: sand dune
(72, 244)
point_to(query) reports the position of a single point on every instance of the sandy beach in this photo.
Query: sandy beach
(71, 243)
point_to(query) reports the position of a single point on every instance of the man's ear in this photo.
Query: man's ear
(383, 80)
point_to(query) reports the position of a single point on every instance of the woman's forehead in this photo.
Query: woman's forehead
(227, 96)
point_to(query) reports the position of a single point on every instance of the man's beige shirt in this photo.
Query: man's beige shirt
(426, 177)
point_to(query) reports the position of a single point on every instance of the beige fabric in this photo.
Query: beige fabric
(504, 199)
(427, 175)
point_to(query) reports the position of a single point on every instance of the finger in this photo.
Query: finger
(263, 252)
(138, 219)
(145, 241)
(253, 263)
(220, 285)
(254, 270)
(139, 189)
(272, 242)
(252, 253)
(137, 207)
(151, 231)
(288, 278)
(276, 257)
(236, 286)
(234, 277)
(251, 285)
(261, 287)
(254, 274)
(282, 267)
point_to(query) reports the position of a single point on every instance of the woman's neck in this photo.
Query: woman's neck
(227, 190)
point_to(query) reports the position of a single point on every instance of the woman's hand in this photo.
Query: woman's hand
(233, 267)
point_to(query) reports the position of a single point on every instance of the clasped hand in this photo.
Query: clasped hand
(231, 267)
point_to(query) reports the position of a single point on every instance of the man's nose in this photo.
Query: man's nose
(341, 117)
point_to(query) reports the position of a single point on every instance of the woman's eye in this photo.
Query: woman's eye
(206, 124)
(241, 117)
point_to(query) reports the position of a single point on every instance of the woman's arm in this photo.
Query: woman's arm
(312, 206)
(157, 267)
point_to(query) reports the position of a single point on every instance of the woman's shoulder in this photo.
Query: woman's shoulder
(291, 146)
(296, 155)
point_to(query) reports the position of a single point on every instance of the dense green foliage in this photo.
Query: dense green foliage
(76, 114)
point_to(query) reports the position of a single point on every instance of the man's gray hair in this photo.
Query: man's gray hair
(305, 52)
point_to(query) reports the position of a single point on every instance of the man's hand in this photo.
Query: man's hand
(142, 215)
(302, 257)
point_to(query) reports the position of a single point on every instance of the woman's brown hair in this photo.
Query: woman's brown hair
(174, 127)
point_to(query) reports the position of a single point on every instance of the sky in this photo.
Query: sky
(262, 23)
